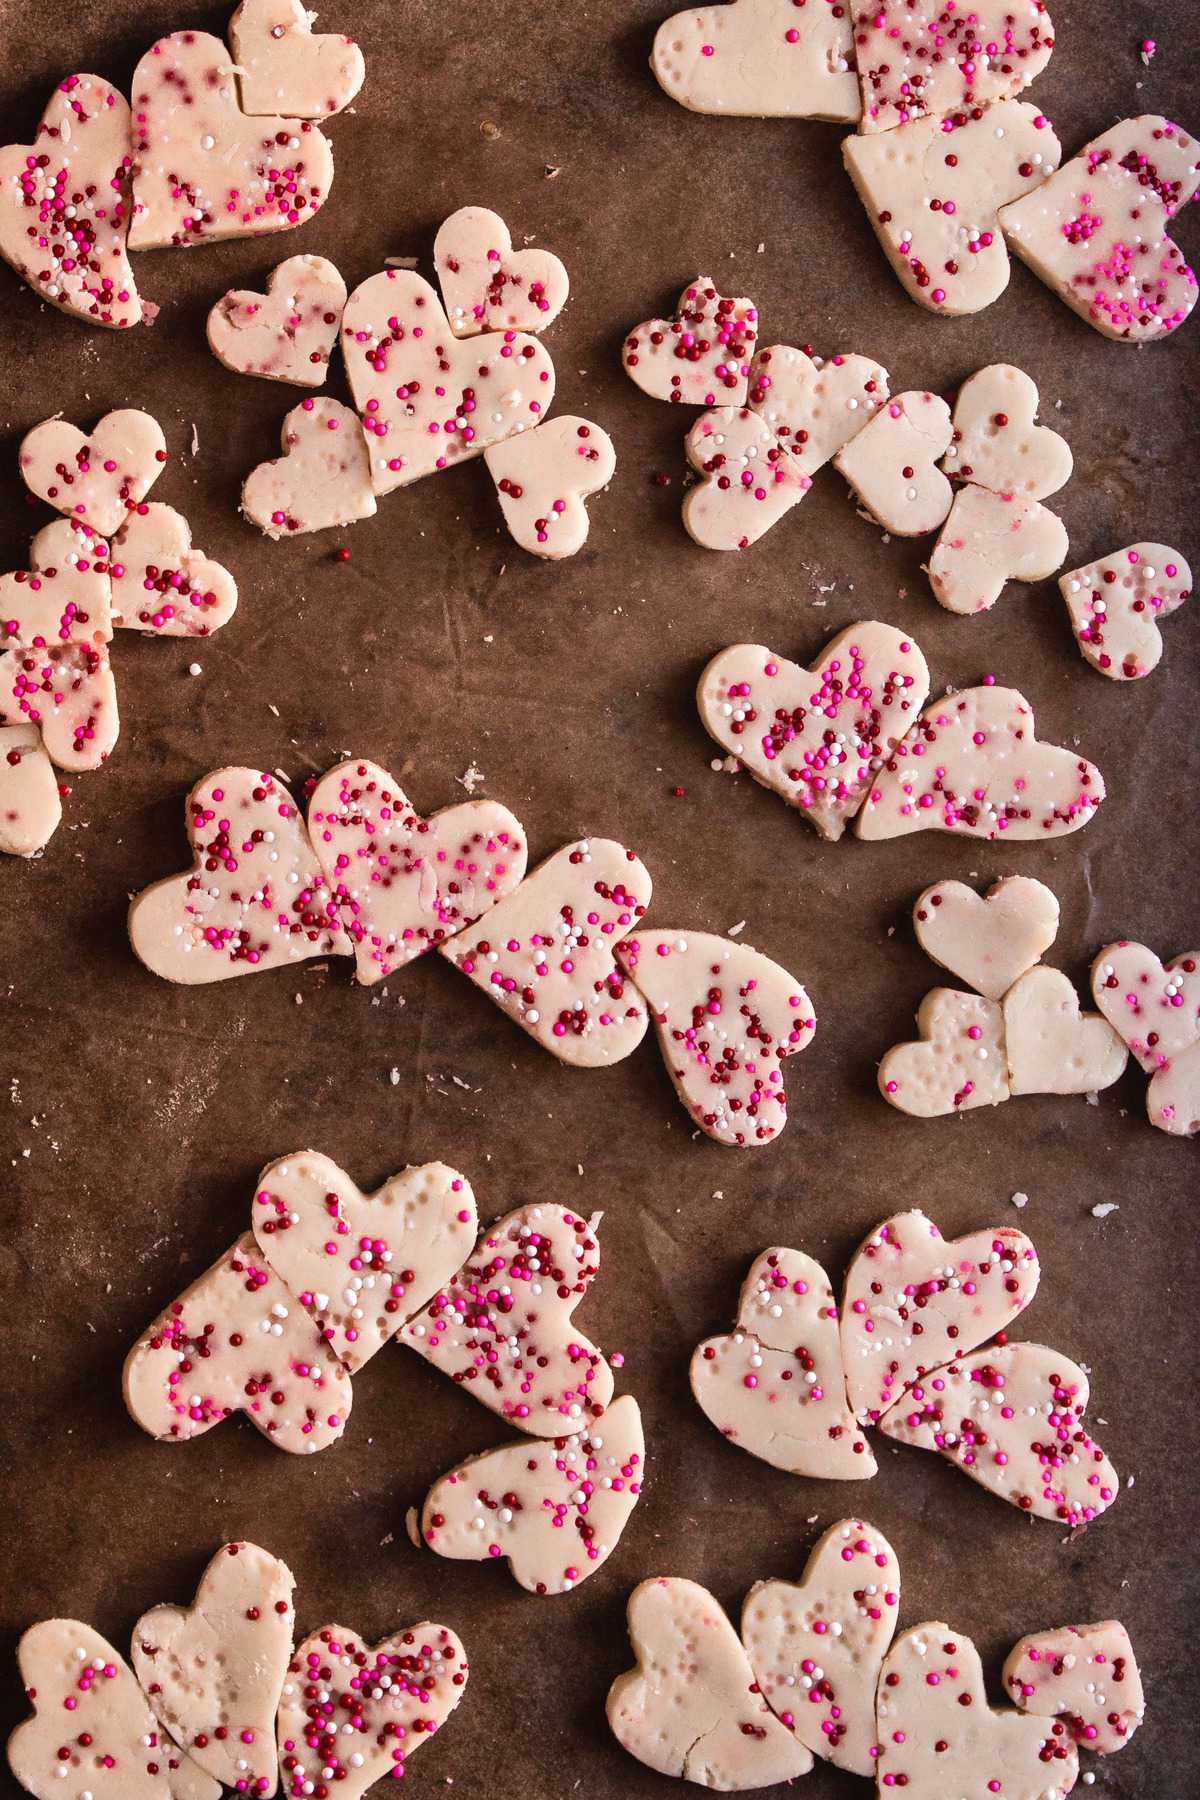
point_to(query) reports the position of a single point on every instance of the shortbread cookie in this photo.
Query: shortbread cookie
(1053, 1047)
(988, 940)
(161, 584)
(1115, 605)
(283, 66)
(486, 284)
(814, 407)
(702, 356)
(323, 477)
(544, 477)
(30, 806)
(892, 464)
(988, 540)
(288, 333)
(99, 477)
(749, 479)
(928, 58)
(957, 1061)
(997, 445)
(1154, 1008)
(1086, 1675)
(760, 59)
(1173, 1097)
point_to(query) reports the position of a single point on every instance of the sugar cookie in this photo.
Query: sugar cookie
(956, 1063)
(323, 477)
(284, 66)
(988, 540)
(288, 333)
(997, 445)
(1086, 1675)
(892, 464)
(161, 584)
(30, 807)
(97, 478)
(1116, 602)
(760, 59)
(814, 407)
(55, 625)
(987, 940)
(749, 479)
(926, 58)
(486, 284)
(1154, 1008)
(1173, 1097)
(702, 356)
(544, 477)
(1053, 1047)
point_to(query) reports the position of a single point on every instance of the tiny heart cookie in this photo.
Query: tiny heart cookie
(726, 1018)
(361, 1264)
(990, 539)
(1115, 605)
(501, 1327)
(1011, 1417)
(760, 59)
(30, 806)
(776, 1385)
(1086, 1675)
(814, 407)
(323, 477)
(702, 356)
(543, 478)
(691, 1708)
(892, 464)
(1155, 1009)
(912, 1301)
(99, 478)
(816, 1645)
(956, 1062)
(286, 334)
(988, 940)
(996, 443)
(161, 584)
(284, 66)
(926, 58)
(213, 1672)
(402, 884)
(1053, 1047)
(351, 1714)
(64, 205)
(750, 479)
(1173, 1097)
(486, 284)
(556, 1511)
(818, 736)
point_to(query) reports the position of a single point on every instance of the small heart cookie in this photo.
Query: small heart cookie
(988, 940)
(486, 284)
(160, 584)
(927, 58)
(776, 1385)
(760, 59)
(556, 1511)
(1115, 605)
(55, 625)
(1053, 1047)
(990, 539)
(30, 807)
(892, 464)
(99, 478)
(283, 65)
(543, 478)
(286, 334)
(702, 356)
(64, 205)
(814, 407)
(816, 1645)
(323, 477)
(1155, 1009)
(1086, 1675)
(956, 1063)
(996, 443)
(213, 1671)
(750, 480)
(1173, 1097)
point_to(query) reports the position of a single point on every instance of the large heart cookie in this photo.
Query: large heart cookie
(760, 59)
(556, 1510)
(501, 1327)
(361, 1264)
(702, 356)
(402, 884)
(749, 479)
(55, 625)
(691, 1708)
(1053, 1047)
(544, 477)
(1155, 1009)
(1086, 1675)
(927, 58)
(1173, 1097)
(816, 1645)
(990, 539)
(991, 939)
(486, 284)
(955, 1063)
(255, 897)
(160, 584)
(726, 1017)
(892, 464)
(913, 1301)
(817, 737)
(286, 334)
(283, 65)
(213, 1671)
(97, 478)
(323, 477)
(64, 204)
(1115, 605)
(30, 807)
(775, 1386)
(814, 407)
(997, 445)
(202, 169)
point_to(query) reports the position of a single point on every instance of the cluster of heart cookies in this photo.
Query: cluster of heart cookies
(219, 1696)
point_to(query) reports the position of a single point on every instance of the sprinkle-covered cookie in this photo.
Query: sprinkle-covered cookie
(702, 356)
(1086, 1675)
(928, 58)
(161, 584)
(96, 478)
(1115, 605)
(814, 407)
(486, 284)
(323, 477)
(56, 621)
(749, 480)
(1154, 1007)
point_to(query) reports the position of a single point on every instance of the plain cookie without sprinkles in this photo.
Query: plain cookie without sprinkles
(892, 464)
(283, 65)
(288, 332)
(988, 940)
(989, 540)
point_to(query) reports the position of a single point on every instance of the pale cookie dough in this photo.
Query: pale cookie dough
(30, 807)
(933, 190)
(702, 356)
(1011, 1417)
(1053, 1047)
(926, 58)
(956, 1063)
(1096, 232)
(892, 464)
(726, 1018)
(428, 401)
(284, 66)
(1154, 1008)
(402, 884)
(817, 737)
(362, 1264)
(749, 479)
(1173, 1097)
(814, 407)
(816, 1645)
(1115, 605)
(776, 1385)
(1086, 1675)
(202, 169)
(99, 477)
(544, 953)
(938, 1736)
(160, 584)
(64, 205)
(988, 940)
(214, 1671)
(255, 897)
(323, 477)
(760, 59)
(486, 284)
(351, 1714)
(988, 540)
(972, 765)
(913, 1301)
(997, 445)
(286, 334)
(543, 478)
(556, 1511)
(501, 1328)
(114, 1748)
(691, 1707)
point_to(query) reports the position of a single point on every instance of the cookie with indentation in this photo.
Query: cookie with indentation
(892, 464)
(760, 59)
(956, 1062)
(1116, 602)
(1086, 1675)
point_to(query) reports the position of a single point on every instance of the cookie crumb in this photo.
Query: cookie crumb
(1102, 1211)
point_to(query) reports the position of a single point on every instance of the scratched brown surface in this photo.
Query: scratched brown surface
(140, 1114)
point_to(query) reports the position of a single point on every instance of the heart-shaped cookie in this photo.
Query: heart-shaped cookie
(402, 884)
(64, 204)
(1155, 1009)
(323, 477)
(814, 407)
(361, 1264)
(892, 464)
(750, 480)
(1086, 1675)
(913, 1301)
(997, 445)
(775, 1386)
(726, 1017)
(544, 954)
(1096, 232)
(556, 1510)
(691, 1708)
(502, 1327)
(933, 190)
(702, 356)
(1173, 1097)
(55, 626)
(1011, 1417)
(160, 584)
(202, 169)
(816, 1645)
(1053, 1047)
(255, 897)
(288, 333)
(817, 736)
(938, 1736)
(97, 478)
(1115, 605)
(990, 939)
(544, 476)
(351, 1714)
(283, 65)
(972, 765)
(990, 539)
(214, 1671)
(929, 58)
(30, 807)
(760, 59)
(486, 284)
(955, 1063)
(427, 401)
